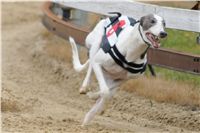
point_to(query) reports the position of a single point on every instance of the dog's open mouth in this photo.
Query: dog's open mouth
(155, 41)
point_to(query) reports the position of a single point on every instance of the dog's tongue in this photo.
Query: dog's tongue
(154, 41)
(156, 44)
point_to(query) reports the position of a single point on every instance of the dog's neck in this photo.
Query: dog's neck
(136, 46)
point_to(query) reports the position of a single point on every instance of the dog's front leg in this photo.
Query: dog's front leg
(104, 90)
(98, 107)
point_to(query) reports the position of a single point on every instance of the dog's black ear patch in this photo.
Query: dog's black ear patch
(142, 21)
(147, 21)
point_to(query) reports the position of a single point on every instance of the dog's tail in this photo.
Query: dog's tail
(75, 56)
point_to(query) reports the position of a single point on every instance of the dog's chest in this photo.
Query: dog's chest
(115, 72)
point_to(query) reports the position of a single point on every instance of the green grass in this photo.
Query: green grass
(185, 42)
(182, 41)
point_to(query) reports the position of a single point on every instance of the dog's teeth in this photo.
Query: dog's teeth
(157, 38)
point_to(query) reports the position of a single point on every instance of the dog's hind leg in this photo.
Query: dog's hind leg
(86, 81)
(93, 50)
(93, 41)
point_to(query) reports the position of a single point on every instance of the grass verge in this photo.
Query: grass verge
(162, 90)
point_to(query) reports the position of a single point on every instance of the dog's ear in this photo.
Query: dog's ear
(142, 21)
(147, 21)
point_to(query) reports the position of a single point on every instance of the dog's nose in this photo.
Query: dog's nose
(163, 34)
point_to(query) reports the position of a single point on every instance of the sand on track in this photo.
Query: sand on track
(40, 91)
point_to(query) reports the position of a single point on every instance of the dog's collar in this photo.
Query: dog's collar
(148, 44)
(142, 35)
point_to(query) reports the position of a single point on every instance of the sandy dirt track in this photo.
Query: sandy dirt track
(40, 93)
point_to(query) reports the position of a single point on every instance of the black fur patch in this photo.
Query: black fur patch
(147, 21)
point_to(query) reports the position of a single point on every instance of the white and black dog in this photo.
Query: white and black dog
(119, 62)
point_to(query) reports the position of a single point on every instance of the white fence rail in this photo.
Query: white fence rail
(182, 19)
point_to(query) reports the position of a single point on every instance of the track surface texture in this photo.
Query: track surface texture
(40, 88)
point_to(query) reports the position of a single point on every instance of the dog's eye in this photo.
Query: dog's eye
(164, 24)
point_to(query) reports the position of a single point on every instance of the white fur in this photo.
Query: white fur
(110, 75)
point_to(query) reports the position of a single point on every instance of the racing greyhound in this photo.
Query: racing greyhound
(114, 63)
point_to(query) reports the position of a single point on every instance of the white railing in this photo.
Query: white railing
(176, 18)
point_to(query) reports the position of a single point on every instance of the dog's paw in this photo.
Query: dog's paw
(105, 93)
(83, 90)
(93, 95)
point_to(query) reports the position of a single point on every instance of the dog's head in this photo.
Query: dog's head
(153, 27)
